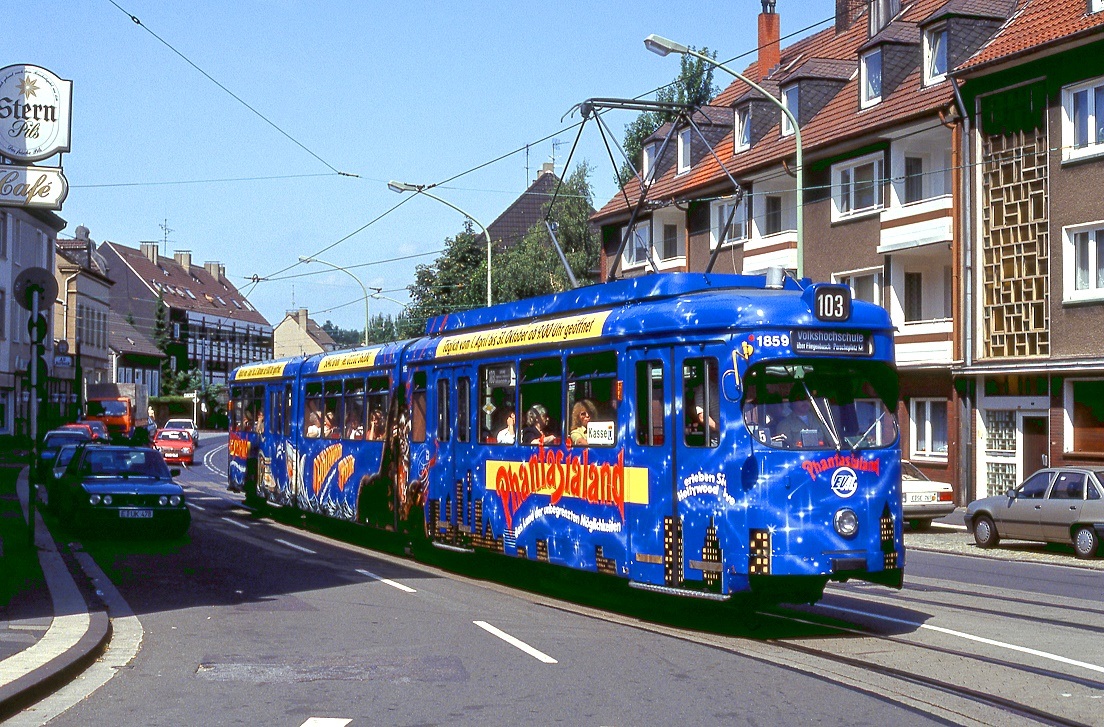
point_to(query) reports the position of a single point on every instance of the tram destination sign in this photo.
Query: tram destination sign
(839, 343)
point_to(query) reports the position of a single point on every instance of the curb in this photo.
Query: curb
(56, 673)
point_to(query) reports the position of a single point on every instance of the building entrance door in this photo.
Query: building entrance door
(1035, 449)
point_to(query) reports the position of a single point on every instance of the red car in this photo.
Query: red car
(80, 427)
(175, 445)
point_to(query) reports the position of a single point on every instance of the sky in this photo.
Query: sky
(220, 127)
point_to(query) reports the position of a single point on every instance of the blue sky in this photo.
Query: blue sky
(414, 91)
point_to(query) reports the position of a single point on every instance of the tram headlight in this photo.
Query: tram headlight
(94, 500)
(846, 522)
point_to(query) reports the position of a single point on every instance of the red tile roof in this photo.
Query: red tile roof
(839, 121)
(1035, 25)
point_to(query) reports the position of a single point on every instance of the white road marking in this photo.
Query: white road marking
(971, 637)
(393, 584)
(207, 460)
(235, 522)
(197, 507)
(297, 547)
(539, 655)
(326, 722)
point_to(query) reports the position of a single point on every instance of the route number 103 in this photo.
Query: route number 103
(832, 303)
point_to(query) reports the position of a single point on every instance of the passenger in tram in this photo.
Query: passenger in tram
(259, 426)
(538, 426)
(330, 430)
(508, 433)
(375, 426)
(581, 415)
(354, 427)
(314, 425)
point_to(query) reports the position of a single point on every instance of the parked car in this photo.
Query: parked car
(99, 429)
(175, 445)
(56, 470)
(105, 486)
(187, 425)
(1054, 505)
(51, 443)
(923, 499)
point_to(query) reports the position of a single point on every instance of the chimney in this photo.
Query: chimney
(770, 51)
(847, 11)
(149, 250)
(213, 269)
(183, 259)
(546, 168)
(301, 318)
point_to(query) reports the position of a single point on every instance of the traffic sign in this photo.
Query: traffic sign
(33, 279)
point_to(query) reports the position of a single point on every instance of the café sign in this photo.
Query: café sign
(35, 110)
(32, 187)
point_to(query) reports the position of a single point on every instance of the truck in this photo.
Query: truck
(123, 408)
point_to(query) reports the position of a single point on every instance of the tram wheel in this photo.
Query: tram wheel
(985, 532)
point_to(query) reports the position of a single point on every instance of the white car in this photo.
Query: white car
(187, 425)
(923, 500)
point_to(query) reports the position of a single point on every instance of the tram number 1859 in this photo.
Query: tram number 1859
(832, 303)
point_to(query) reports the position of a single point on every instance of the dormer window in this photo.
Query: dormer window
(790, 101)
(881, 12)
(1095, 6)
(743, 129)
(870, 71)
(935, 55)
(648, 159)
(684, 151)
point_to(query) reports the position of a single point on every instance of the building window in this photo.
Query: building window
(1083, 255)
(935, 55)
(732, 214)
(1095, 6)
(857, 186)
(684, 151)
(1083, 119)
(790, 99)
(914, 179)
(647, 166)
(881, 13)
(772, 215)
(914, 297)
(743, 129)
(865, 285)
(639, 245)
(670, 247)
(1085, 407)
(929, 428)
(871, 83)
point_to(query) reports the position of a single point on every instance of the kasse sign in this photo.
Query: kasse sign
(34, 113)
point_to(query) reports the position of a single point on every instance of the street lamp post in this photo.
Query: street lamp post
(367, 315)
(663, 46)
(401, 187)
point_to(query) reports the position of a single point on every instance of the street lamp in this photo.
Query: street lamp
(401, 187)
(663, 46)
(367, 317)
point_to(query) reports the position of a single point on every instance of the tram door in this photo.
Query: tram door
(454, 450)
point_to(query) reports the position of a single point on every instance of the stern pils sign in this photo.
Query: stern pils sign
(35, 110)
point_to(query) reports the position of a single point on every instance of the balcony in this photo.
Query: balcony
(779, 250)
(909, 226)
(925, 344)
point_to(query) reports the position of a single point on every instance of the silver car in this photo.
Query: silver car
(1055, 505)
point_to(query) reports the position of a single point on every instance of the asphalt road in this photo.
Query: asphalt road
(254, 621)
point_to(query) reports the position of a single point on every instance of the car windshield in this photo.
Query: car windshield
(124, 462)
(822, 404)
(178, 424)
(56, 439)
(107, 408)
(175, 435)
(65, 455)
(909, 472)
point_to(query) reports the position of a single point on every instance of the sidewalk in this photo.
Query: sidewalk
(48, 634)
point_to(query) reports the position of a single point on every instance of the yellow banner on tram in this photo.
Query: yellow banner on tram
(348, 361)
(539, 333)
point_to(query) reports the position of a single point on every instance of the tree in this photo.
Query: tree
(692, 86)
(343, 337)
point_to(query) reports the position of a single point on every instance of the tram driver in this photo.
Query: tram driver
(801, 428)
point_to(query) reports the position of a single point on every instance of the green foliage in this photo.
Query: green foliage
(693, 86)
(456, 280)
(343, 337)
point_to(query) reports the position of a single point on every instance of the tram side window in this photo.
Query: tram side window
(463, 409)
(287, 410)
(333, 416)
(443, 410)
(235, 407)
(541, 401)
(498, 396)
(649, 403)
(592, 399)
(275, 422)
(418, 408)
(312, 412)
(700, 402)
(379, 388)
(353, 427)
(256, 409)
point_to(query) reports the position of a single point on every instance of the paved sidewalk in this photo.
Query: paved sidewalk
(46, 637)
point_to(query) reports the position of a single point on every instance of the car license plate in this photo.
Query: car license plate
(921, 498)
(136, 514)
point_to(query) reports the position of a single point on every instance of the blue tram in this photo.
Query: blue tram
(696, 434)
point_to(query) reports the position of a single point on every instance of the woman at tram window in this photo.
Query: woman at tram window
(314, 424)
(538, 426)
(581, 415)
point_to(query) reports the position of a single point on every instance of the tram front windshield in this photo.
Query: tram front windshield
(821, 405)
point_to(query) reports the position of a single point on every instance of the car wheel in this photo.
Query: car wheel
(1086, 543)
(920, 525)
(985, 532)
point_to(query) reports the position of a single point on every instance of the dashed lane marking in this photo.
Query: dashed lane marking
(235, 522)
(326, 722)
(297, 547)
(388, 581)
(518, 643)
(195, 506)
